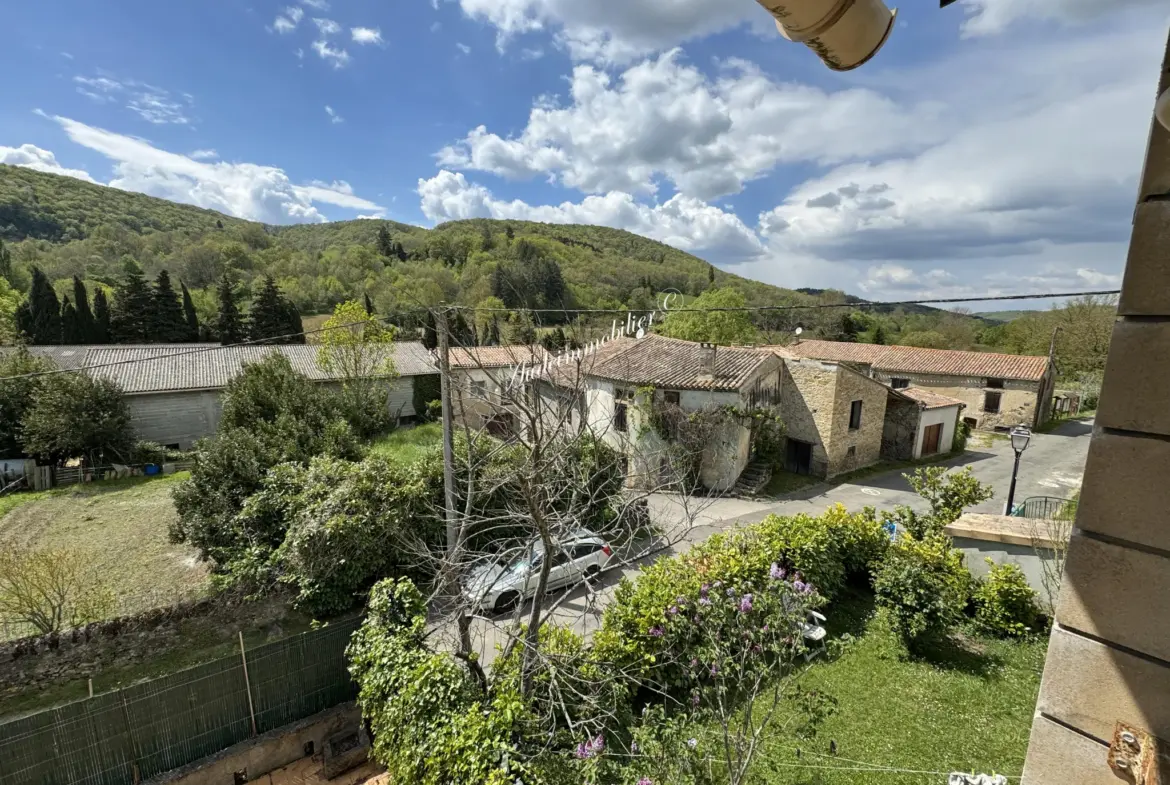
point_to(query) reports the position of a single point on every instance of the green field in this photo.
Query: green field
(120, 526)
(407, 445)
(965, 708)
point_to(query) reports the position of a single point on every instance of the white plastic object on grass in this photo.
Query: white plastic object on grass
(958, 778)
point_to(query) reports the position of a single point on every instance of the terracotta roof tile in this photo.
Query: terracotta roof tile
(930, 399)
(668, 362)
(494, 356)
(941, 362)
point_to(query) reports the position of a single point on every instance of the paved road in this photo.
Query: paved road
(1051, 466)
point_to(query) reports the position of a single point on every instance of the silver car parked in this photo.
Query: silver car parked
(512, 577)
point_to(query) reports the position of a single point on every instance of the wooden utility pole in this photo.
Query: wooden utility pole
(449, 513)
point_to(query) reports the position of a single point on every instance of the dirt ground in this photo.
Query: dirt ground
(307, 771)
(121, 527)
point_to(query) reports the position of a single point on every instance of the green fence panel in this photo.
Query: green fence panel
(161, 724)
(302, 675)
(188, 715)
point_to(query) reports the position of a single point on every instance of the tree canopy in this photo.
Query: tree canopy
(701, 323)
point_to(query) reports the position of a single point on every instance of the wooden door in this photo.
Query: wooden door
(930, 439)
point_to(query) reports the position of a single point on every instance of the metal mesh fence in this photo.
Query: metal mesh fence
(158, 725)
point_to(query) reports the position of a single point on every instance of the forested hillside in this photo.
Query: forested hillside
(68, 229)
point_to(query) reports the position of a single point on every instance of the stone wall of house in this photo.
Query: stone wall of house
(900, 429)
(808, 389)
(853, 449)
(37, 662)
(1017, 405)
(725, 455)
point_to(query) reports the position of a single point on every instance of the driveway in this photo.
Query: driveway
(1052, 465)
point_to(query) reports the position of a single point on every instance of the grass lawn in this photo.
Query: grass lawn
(783, 482)
(121, 526)
(967, 708)
(407, 445)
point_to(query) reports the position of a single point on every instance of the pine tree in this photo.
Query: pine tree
(168, 324)
(87, 328)
(710, 273)
(229, 326)
(72, 330)
(384, 243)
(101, 317)
(369, 305)
(879, 336)
(430, 332)
(486, 241)
(492, 337)
(190, 317)
(39, 317)
(269, 316)
(130, 316)
(400, 252)
(511, 235)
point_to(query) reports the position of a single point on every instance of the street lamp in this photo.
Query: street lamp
(1021, 435)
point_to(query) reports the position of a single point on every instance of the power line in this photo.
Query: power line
(275, 340)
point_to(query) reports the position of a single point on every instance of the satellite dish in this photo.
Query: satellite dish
(798, 330)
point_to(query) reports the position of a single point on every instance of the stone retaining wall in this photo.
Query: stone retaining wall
(82, 652)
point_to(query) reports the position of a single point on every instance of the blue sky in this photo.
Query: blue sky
(990, 147)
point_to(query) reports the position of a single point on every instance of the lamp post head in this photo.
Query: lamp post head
(1021, 434)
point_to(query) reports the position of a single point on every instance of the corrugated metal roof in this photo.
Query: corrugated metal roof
(176, 367)
(668, 362)
(930, 399)
(941, 362)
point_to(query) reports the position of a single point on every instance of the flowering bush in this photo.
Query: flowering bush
(923, 586)
(1005, 604)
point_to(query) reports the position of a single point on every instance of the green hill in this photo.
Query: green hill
(1003, 316)
(69, 227)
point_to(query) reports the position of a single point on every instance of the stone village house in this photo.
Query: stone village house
(999, 390)
(837, 419)
(176, 400)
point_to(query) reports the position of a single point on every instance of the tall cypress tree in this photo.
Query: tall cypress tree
(384, 243)
(710, 273)
(6, 264)
(269, 316)
(39, 317)
(86, 326)
(72, 330)
(130, 316)
(369, 304)
(430, 332)
(293, 328)
(101, 317)
(229, 326)
(167, 323)
(461, 333)
(190, 318)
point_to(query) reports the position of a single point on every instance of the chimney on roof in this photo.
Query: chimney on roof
(710, 351)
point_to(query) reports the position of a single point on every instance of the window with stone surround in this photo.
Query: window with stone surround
(855, 415)
(899, 384)
(991, 402)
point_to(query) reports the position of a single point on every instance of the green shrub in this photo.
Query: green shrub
(923, 586)
(1005, 604)
(427, 390)
(962, 434)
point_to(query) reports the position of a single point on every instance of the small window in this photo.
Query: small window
(671, 397)
(899, 384)
(851, 452)
(621, 410)
(560, 557)
(995, 384)
(991, 402)
(970, 422)
(585, 549)
(478, 388)
(855, 415)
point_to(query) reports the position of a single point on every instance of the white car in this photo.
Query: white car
(501, 584)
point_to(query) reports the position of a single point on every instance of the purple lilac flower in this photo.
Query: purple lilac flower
(756, 648)
(777, 572)
(731, 592)
(598, 744)
(764, 628)
(695, 699)
(704, 600)
(745, 604)
(714, 670)
(656, 631)
(706, 587)
(645, 781)
(808, 588)
(582, 752)
(800, 585)
(717, 584)
(694, 662)
(634, 747)
(672, 610)
(692, 743)
(680, 601)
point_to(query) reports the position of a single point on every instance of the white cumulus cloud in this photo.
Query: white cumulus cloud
(34, 157)
(987, 17)
(287, 20)
(326, 26)
(334, 117)
(682, 221)
(252, 191)
(204, 155)
(338, 58)
(366, 35)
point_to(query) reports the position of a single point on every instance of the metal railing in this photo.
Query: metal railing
(1049, 508)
